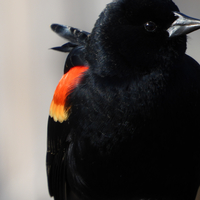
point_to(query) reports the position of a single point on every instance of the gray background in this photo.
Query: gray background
(29, 73)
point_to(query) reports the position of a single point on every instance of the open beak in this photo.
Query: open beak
(183, 25)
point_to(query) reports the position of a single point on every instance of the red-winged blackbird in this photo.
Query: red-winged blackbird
(125, 117)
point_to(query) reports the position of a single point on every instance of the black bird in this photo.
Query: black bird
(124, 121)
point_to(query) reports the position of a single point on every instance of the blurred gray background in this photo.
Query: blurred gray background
(29, 73)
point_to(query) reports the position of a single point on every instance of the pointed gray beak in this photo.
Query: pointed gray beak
(183, 25)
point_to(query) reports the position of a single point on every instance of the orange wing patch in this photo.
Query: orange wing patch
(67, 83)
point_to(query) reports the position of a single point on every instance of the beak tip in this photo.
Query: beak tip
(183, 25)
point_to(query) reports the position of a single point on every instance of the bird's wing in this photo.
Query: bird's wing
(58, 128)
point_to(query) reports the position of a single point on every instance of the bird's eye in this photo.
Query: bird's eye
(150, 26)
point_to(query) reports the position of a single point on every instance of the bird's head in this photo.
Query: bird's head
(140, 31)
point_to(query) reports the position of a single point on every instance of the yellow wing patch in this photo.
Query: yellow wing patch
(58, 112)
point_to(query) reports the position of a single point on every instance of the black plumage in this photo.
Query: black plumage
(133, 128)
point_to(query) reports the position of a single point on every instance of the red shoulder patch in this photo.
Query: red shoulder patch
(66, 84)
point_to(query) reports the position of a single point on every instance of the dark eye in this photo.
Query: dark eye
(150, 26)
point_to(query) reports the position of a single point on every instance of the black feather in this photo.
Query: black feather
(74, 35)
(66, 47)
